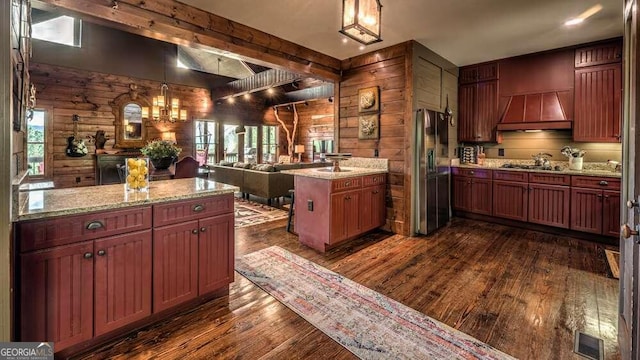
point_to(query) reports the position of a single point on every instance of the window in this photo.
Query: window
(36, 144)
(269, 143)
(230, 143)
(251, 144)
(63, 30)
(206, 141)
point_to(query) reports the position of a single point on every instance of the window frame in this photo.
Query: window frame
(211, 129)
(47, 142)
(263, 145)
(77, 32)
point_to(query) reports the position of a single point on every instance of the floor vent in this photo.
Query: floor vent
(589, 346)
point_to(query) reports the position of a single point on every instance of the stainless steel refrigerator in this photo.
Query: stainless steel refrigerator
(434, 170)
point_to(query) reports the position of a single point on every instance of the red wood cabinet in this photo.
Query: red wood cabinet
(611, 213)
(599, 54)
(595, 205)
(549, 205)
(472, 193)
(57, 295)
(345, 216)
(478, 111)
(175, 264)
(511, 200)
(216, 253)
(586, 210)
(466, 112)
(373, 213)
(122, 280)
(598, 102)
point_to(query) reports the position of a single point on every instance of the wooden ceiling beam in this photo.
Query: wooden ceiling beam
(171, 21)
(258, 82)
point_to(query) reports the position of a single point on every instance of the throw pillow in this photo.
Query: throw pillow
(265, 167)
(226, 163)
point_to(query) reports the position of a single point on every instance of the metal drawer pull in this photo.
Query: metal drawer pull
(375, 179)
(604, 183)
(348, 183)
(376, 191)
(198, 208)
(88, 255)
(203, 229)
(101, 252)
(94, 225)
(194, 231)
(472, 172)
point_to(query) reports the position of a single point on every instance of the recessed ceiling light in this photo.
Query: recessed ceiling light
(361, 47)
(247, 96)
(231, 100)
(270, 91)
(344, 40)
(586, 14)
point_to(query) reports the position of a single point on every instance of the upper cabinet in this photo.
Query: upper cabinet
(598, 93)
(478, 103)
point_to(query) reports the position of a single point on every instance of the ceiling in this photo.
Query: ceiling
(462, 31)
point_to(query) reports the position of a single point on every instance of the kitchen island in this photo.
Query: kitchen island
(96, 262)
(333, 207)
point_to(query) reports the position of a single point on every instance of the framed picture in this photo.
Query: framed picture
(369, 99)
(369, 126)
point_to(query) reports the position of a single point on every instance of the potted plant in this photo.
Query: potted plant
(162, 153)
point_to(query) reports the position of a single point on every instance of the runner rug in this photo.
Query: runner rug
(249, 213)
(369, 324)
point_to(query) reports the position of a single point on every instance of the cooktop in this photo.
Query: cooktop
(531, 167)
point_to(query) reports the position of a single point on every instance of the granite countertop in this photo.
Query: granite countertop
(564, 171)
(325, 173)
(40, 204)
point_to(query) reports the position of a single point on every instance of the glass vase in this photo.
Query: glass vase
(137, 178)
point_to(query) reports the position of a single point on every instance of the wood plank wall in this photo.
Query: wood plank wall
(66, 91)
(309, 129)
(387, 69)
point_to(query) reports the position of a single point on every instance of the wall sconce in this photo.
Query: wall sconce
(169, 136)
(299, 149)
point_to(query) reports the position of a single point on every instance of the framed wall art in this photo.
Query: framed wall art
(369, 126)
(369, 99)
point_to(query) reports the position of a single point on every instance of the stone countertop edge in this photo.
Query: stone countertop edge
(70, 201)
(352, 172)
(600, 173)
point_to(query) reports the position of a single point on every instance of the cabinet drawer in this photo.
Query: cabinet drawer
(551, 179)
(176, 212)
(346, 184)
(595, 182)
(41, 234)
(371, 180)
(511, 176)
(476, 173)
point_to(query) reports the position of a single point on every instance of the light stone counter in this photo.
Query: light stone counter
(325, 173)
(48, 203)
(564, 171)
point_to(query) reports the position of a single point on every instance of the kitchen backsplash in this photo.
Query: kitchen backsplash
(521, 145)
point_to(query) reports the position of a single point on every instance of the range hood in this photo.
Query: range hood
(537, 111)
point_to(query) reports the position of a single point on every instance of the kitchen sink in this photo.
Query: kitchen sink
(330, 170)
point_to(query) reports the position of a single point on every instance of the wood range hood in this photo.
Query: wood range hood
(550, 110)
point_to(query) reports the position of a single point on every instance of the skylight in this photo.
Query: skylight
(63, 30)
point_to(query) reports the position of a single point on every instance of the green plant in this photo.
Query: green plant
(158, 149)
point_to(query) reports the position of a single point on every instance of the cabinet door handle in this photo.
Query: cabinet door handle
(198, 208)
(88, 255)
(194, 231)
(375, 191)
(101, 252)
(94, 225)
(606, 196)
(348, 183)
(600, 196)
(203, 229)
(472, 172)
(375, 180)
(604, 183)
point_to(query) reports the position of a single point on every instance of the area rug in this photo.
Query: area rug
(369, 324)
(613, 258)
(249, 213)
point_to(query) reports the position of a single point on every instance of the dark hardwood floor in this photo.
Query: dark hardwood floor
(523, 292)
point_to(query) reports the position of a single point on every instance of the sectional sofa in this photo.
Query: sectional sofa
(268, 184)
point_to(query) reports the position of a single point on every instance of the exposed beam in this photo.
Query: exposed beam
(171, 21)
(313, 93)
(258, 82)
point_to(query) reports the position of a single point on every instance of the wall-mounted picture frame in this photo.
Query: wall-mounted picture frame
(369, 126)
(369, 99)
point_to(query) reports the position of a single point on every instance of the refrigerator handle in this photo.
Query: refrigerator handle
(431, 166)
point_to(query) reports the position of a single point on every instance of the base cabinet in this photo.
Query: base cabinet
(472, 191)
(511, 200)
(331, 211)
(595, 205)
(107, 276)
(549, 205)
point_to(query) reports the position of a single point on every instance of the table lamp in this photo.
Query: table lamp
(299, 149)
(169, 136)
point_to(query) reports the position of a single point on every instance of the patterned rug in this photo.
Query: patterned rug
(249, 213)
(369, 324)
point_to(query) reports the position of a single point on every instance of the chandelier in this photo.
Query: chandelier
(165, 108)
(361, 20)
